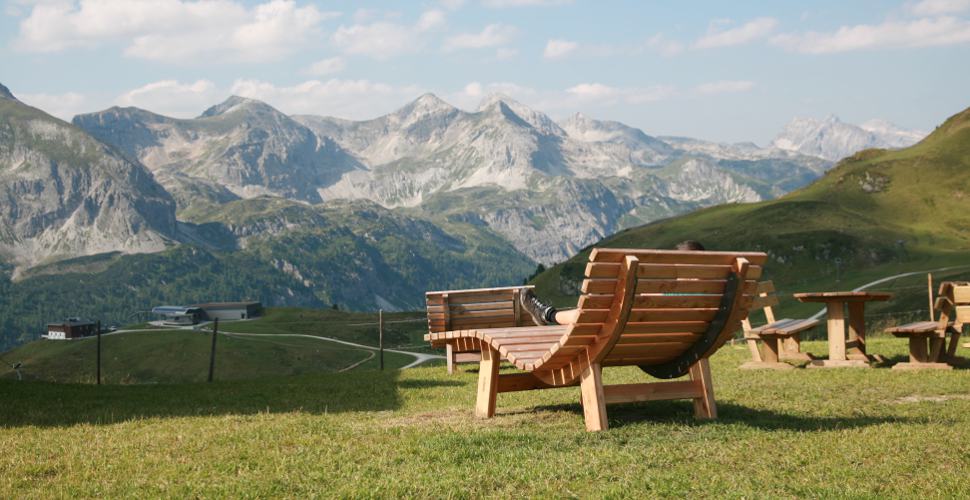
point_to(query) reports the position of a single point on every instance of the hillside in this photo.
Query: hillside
(412, 433)
(877, 213)
(279, 348)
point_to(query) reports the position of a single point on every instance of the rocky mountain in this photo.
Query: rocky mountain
(240, 148)
(549, 188)
(833, 139)
(64, 194)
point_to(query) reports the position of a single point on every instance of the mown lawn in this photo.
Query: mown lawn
(829, 433)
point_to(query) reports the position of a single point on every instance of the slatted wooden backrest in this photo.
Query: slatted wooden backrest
(647, 307)
(477, 308)
(953, 302)
(766, 299)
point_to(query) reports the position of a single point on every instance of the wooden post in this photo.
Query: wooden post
(857, 329)
(836, 330)
(704, 407)
(450, 357)
(593, 399)
(99, 353)
(380, 334)
(487, 382)
(929, 286)
(212, 353)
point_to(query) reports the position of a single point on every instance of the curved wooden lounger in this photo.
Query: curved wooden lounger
(665, 311)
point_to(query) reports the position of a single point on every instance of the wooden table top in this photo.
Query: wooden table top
(842, 296)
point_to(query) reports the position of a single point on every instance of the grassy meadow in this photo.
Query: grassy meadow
(822, 433)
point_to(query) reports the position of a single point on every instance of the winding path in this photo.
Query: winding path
(419, 356)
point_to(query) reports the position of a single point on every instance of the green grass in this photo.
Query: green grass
(815, 433)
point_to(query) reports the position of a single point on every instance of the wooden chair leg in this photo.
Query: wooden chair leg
(450, 357)
(704, 406)
(487, 383)
(951, 350)
(917, 349)
(771, 347)
(937, 346)
(755, 350)
(593, 399)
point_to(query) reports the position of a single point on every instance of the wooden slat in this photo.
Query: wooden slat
(675, 256)
(644, 338)
(629, 393)
(681, 286)
(670, 271)
(917, 327)
(655, 301)
(667, 327)
(651, 349)
(766, 287)
(470, 291)
(963, 314)
(961, 295)
(472, 297)
(477, 306)
(649, 315)
(484, 313)
(599, 286)
(760, 302)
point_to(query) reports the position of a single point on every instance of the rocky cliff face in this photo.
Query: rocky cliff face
(64, 194)
(243, 145)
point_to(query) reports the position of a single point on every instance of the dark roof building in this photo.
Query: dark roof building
(231, 310)
(71, 328)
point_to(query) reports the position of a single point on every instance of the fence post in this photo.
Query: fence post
(212, 353)
(380, 334)
(99, 354)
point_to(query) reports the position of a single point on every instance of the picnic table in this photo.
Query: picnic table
(842, 353)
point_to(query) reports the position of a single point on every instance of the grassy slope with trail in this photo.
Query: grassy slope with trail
(876, 214)
(174, 356)
(802, 433)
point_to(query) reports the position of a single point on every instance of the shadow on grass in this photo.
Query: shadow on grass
(682, 412)
(52, 405)
(959, 362)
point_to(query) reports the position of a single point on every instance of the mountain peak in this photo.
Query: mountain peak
(234, 103)
(426, 104)
(503, 104)
(6, 94)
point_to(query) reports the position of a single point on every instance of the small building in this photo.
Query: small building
(179, 315)
(71, 328)
(231, 310)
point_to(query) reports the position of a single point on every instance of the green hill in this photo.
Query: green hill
(876, 214)
(170, 356)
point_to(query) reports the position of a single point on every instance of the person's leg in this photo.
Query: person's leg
(566, 317)
(542, 313)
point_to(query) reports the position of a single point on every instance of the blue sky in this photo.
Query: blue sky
(727, 71)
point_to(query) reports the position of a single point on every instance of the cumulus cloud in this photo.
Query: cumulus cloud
(63, 106)
(173, 98)
(326, 67)
(353, 99)
(384, 39)
(938, 7)
(888, 35)
(752, 30)
(493, 35)
(664, 46)
(724, 87)
(557, 49)
(173, 30)
(614, 95)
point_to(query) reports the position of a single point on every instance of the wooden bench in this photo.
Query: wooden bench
(927, 339)
(664, 311)
(475, 308)
(776, 340)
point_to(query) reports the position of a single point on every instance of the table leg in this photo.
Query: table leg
(836, 326)
(857, 331)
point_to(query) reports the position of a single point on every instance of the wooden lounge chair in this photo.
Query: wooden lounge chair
(473, 309)
(777, 339)
(927, 339)
(664, 311)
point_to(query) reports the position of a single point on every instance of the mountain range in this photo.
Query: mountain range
(833, 139)
(320, 211)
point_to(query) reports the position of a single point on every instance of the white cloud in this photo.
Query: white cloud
(505, 53)
(888, 35)
(523, 3)
(452, 4)
(557, 49)
(326, 67)
(63, 106)
(724, 87)
(384, 39)
(493, 35)
(938, 7)
(174, 30)
(173, 98)
(747, 32)
(614, 95)
(353, 99)
(664, 46)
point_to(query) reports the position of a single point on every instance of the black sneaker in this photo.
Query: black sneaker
(532, 305)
